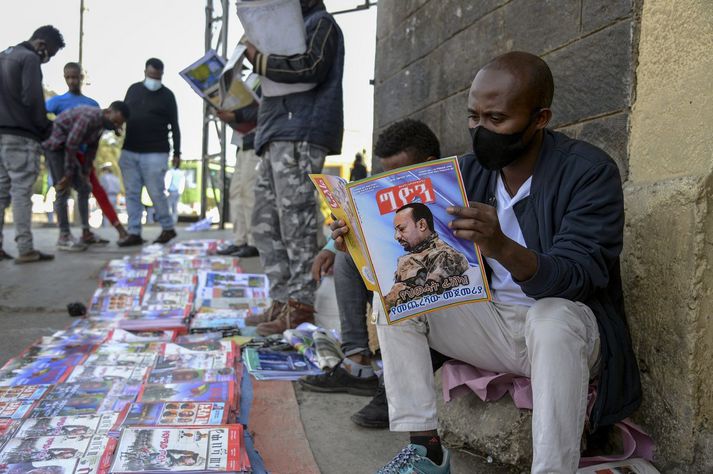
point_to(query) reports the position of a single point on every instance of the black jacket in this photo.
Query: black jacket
(153, 115)
(317, 115)
(22, 99)
(574, 221)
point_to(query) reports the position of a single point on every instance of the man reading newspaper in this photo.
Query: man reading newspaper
(295, 132)
(547, 213)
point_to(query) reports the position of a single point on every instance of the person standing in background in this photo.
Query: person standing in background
(295, 133)
(175, 184)
(144, 158)
(23, 125)
(73, 97)
(242, 183)
(358, 169)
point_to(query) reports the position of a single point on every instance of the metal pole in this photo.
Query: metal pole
(206, 111)
(224, 198)
(81, 29)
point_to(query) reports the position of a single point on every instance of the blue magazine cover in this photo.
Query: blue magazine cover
(419, 265)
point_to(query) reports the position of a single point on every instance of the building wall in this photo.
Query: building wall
(428, 51)
(632, 77)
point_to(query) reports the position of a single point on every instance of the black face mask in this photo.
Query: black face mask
(495, 151)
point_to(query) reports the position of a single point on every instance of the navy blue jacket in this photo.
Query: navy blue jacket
(574, 221)
(317, 115)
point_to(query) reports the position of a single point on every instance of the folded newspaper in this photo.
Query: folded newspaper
(400, 240)
(260, 20)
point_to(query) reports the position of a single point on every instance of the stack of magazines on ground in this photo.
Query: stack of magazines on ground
(308, 350)
(100, 398)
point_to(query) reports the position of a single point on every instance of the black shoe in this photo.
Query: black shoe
(247, 251)
(5, 256)
(130, 241)
(339, 380)
(230, 250)
(375, 414)
(165, 236)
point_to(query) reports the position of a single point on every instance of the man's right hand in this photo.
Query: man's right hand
(322, 264)
(226, 115)
(339, 230)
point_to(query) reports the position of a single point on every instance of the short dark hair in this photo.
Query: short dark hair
(420, 211)
(532, 70)
(411, 136)
(73, 65)
(121, 107)
(50, 35)
(154, 63)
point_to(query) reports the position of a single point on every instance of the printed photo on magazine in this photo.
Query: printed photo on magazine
(400, 239)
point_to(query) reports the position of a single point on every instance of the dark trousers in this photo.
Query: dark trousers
(79, 183)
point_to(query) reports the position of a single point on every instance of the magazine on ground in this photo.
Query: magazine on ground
(266, 364)
(176, 413)
(196, 391)
(45, 448)
(188, 449)
(400, 216)
(22, 392)
(82, 425)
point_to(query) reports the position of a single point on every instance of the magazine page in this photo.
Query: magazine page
(419, 265)
(196, 391)
(188, 449)
(176, 413)
(234, 92)
(203, 77)
(260, 19)
(67, 426)
(333, 191)
(22, 392)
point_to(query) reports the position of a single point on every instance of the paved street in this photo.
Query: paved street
(33, 301)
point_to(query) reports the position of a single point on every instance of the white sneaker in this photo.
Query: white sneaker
(68, 244)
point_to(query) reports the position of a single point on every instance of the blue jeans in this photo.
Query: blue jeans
(145, 169)
(173, 198)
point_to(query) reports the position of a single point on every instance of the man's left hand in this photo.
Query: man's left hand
(479, 223)
(176, 161)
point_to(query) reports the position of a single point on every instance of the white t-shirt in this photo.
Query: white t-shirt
(504, 289)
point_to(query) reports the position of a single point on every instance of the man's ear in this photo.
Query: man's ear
(543, 118)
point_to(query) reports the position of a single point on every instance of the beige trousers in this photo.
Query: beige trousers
(242, 195)
(555, 342)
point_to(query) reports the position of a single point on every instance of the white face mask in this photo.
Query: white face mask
(152, 84)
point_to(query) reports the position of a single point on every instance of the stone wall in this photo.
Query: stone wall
(428, 51)
(633, 78)
(668, 256)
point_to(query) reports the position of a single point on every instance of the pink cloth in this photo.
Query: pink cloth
(458, 378)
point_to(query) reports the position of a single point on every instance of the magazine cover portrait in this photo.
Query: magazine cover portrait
(419, 265)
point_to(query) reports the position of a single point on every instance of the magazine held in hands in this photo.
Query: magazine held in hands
(400, 240)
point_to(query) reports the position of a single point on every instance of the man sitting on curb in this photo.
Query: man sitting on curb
(404, 143)
(547, 212)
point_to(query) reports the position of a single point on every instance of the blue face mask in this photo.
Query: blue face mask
(152, 84)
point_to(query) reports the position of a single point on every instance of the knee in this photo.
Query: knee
(555, 320)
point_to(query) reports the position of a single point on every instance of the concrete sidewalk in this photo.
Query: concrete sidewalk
(33, 300)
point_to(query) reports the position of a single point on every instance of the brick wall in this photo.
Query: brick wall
(428, 51)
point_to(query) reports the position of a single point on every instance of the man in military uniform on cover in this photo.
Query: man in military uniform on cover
(429, 259)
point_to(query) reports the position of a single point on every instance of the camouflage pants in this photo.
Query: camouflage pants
(284, 220)
(19, 167)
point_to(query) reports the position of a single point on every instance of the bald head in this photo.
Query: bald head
(532, 75)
